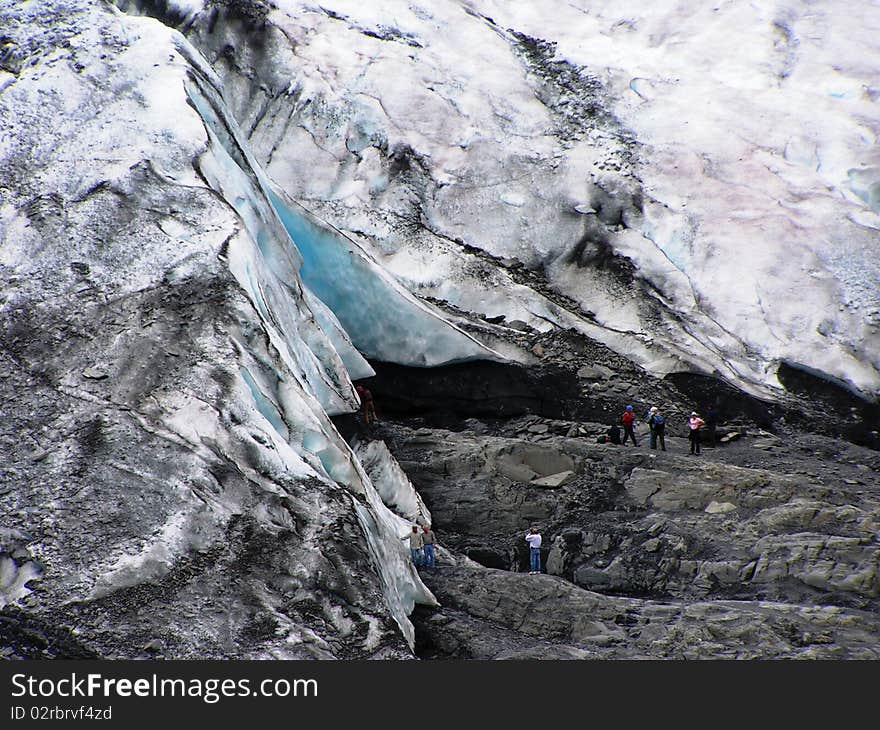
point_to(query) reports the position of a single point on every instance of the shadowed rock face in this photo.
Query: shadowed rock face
(578, 380)
(762, 518)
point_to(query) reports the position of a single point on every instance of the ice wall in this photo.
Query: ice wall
(266, 263)
(160, 350)
(391, 482)
(726, 152)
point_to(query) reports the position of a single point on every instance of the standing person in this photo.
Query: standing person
(658, 429)
(694, 424)
(429, 540)
(533, 538)
(368, 408)
(628, 420)
(711, 423)
(649, 417)
(416, 545)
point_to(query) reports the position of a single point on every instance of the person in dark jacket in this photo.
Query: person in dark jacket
(368, 407)
(711, 424)
(614, 434)
(657, 422)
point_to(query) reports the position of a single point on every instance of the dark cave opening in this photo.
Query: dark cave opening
(837, 409)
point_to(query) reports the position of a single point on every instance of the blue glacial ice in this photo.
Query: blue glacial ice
(384, 320)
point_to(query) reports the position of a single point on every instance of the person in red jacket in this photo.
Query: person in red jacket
(628, 420)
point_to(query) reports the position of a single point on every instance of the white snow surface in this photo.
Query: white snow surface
(14, 579)
(749, 130)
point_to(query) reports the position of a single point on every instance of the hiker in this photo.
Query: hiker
(614, 434)
(429, 540)
(368, 408)
(416, 545)
(533, 538)
(628, 420)
(694, 424)
(711, 423)
(648, 416)
(657, 422)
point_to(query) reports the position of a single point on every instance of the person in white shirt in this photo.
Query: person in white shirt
(416, 545)
(533, 538)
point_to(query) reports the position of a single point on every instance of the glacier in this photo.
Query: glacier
(214, 220)
(732, 234)
(280, 373)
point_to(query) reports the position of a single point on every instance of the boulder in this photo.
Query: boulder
(553, 480)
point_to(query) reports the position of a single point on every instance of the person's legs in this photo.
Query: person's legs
(429, 556)
(662, 436)
(653, 439)
(535, 559)
(697, 438)
(691, 437)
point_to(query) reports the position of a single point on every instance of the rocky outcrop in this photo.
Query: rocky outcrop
(491, 614)
(736, 525)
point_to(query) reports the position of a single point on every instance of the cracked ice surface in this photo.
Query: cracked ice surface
(738, 143)
(385, 321)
